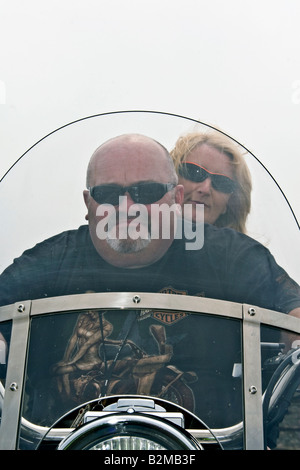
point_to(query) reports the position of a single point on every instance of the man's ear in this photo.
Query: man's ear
(86, 198)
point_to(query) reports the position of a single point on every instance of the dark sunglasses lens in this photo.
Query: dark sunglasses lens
(193, 173)
(106, 194)
(144, 193)
(197, 174)
(223, 184)
(147, 193)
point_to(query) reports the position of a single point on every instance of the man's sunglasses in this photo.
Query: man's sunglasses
(197, 174)
(140, 193)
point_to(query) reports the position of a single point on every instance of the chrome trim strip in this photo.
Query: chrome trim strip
(15, 375)
(275, 319)
(253, 429)
(131, 300)
(7, 312)
(123, 300)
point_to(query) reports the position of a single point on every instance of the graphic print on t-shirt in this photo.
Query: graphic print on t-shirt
(97, 362)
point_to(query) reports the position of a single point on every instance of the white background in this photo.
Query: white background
(233, 64)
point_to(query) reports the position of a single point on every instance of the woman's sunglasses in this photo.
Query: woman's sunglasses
(140, 193)
(197, 174)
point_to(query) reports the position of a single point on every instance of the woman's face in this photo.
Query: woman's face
(214, 201)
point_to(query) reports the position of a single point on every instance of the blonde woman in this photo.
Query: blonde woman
(213, 172)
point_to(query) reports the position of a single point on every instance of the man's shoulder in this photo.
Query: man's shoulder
(68, 239)
(229, 236)
(225, 238)
(71, 235)
(220, 245)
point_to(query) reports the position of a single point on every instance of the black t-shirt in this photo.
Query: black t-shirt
(230, 266)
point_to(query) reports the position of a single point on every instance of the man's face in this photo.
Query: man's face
(128, 162)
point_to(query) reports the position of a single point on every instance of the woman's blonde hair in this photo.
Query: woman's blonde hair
(239, 204)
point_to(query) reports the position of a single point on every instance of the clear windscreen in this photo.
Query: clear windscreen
(193, 360)
(41, 195)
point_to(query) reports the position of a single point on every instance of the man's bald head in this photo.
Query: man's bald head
(128, 143)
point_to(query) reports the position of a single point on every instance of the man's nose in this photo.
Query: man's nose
(125, 202)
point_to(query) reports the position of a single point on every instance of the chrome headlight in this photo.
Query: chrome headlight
(126, 431)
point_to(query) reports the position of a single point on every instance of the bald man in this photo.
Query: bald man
(126, 161)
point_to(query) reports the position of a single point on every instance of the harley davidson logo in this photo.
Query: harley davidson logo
(169, 317)
(171, 290)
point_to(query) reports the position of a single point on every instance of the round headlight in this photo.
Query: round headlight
(127, 443)
(129, 432)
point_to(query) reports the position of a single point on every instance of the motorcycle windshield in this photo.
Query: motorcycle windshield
(55, 244)
(41, 195)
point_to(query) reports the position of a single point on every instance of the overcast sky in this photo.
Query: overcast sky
(232, 64)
